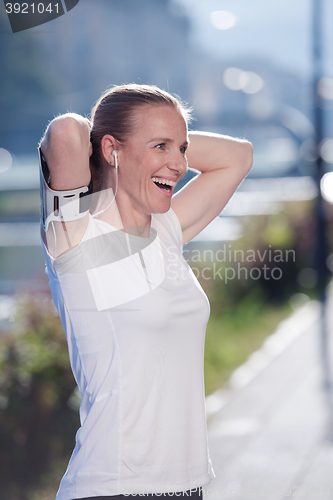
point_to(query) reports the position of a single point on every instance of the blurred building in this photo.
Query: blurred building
(66, 64)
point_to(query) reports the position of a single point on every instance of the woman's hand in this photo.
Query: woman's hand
(223, 162)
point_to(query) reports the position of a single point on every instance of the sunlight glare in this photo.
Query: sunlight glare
(222, 19)
(326, 186)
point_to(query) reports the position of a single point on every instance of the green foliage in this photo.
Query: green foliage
(37, 427)
(282, 241)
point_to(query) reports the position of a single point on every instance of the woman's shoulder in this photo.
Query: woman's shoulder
(93, 229)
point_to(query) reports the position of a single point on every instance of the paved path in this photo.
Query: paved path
(271, 437)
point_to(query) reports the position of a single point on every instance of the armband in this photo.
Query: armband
(61, 206)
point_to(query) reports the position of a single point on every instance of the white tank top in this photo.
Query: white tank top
(135, 318)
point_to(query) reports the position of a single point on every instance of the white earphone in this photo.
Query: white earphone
(114, 154)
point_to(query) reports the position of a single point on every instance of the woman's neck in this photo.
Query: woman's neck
(120, 212)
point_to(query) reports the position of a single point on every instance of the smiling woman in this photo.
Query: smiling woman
(155, 149)
(133, 312)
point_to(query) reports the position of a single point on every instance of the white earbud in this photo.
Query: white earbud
(114, 154)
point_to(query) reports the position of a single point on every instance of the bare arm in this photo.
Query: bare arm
(66, 148)
(223, 162)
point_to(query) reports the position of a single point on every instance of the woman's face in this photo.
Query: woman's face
(156, 151)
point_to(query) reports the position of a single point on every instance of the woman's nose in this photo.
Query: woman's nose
(179, 163)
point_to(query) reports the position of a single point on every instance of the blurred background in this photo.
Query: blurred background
(248, 70)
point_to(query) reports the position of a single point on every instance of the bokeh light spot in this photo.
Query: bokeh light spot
(232, 78)
(222, 19)
(298, 300)
(325, 88)
(329, 262)
(326, 186)
(247, 81)
(253, 84)
(6, 160)
(326, 150)
(307, 278)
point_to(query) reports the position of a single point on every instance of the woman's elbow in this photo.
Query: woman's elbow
(247, 156)
(68, 130)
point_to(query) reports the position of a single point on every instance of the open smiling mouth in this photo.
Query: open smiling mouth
(163, 184)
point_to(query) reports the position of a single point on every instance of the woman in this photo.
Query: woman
(133, 312)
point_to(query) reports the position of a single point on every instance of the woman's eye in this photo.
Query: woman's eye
(161, 146)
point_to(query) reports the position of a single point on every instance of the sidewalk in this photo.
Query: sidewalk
(269, 439)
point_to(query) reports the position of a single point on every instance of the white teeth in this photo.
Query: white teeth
(164, 181)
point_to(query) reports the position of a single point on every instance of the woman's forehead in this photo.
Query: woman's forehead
(153, 118)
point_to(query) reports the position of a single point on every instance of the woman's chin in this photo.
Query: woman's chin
(162, 208)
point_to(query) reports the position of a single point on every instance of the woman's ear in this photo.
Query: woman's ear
(108, 145)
